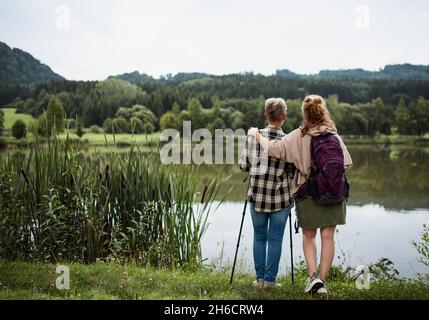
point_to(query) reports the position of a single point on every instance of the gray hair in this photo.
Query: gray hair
(275, 108)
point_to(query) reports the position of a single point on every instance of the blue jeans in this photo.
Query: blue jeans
(268, 230)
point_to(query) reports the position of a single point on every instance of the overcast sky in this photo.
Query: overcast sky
(92, 39)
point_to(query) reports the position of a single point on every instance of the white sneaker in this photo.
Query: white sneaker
(273, 285)
(322, 289)
(259, 283)
(313, 284)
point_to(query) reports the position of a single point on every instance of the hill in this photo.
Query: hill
(389, 72)
(18, 67)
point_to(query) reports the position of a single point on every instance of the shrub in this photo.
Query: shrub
(136, 125)
(108, 125)
(55, 115)
(19, 129)
(79, 129)
(71, 123)
(120, 125)
(95, 129)
(422, 246)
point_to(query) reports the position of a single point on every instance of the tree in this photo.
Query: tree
(196, 114)
(95, 129)
(217, 123)
(79, 128)
(108, 125)
(148, 128)
(144, 114)
(172, 119)
(168, 121)
(19, 129)
(237, 120)
(136, 125)
(107, 97)
(354, 122)
(403, 120)
(71, 123)
(121, 125)
(41, 103)
(157, 105)
(139, 120)
(68, 104)
(421, 116)
(42, 125)
(125, 113)
(55, 115)
(379, 117)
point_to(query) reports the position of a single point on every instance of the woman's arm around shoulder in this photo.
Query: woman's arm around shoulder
(276, 148)
(348, 162)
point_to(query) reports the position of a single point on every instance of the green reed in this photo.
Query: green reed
(60, 204)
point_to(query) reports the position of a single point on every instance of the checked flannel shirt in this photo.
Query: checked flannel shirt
(270, 190)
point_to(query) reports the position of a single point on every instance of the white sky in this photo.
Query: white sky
(107, 37)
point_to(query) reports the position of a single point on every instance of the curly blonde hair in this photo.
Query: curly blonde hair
(315, 114)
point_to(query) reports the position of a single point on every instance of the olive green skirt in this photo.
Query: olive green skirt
(312, 215)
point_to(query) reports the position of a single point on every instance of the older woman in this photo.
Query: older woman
(312, 215)
(268, 195)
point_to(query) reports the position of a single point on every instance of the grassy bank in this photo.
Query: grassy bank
(382, 139)
(90, 139)
(101, 139)
(10, 117)
(23, 280)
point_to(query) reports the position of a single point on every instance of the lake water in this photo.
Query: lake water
(388, 206)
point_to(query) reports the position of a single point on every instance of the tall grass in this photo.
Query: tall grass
(59, 204)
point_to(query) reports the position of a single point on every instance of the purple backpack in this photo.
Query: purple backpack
(327, 183)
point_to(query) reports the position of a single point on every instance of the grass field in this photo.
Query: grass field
(21, 280)
(97, 139)
(10, 117)
(382, 139)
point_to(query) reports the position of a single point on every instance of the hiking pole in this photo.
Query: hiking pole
(241, 227)
(238, 242)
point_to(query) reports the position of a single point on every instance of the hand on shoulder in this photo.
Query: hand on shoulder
(253, 132)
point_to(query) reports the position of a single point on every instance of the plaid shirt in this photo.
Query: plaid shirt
(270, 190)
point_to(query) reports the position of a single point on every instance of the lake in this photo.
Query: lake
(387, 208)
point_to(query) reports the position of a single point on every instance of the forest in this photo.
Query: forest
(139, 103)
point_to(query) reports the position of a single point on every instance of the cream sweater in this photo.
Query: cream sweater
(295, 148)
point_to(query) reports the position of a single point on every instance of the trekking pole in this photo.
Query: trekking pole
(241, 226)
(238, 242)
